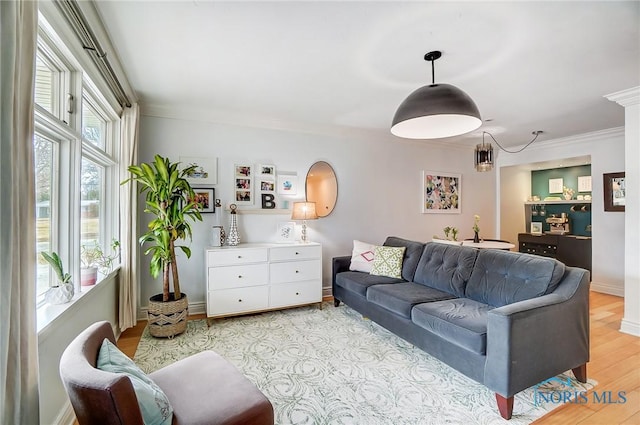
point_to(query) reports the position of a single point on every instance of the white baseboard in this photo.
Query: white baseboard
(607, 289)
(631, 328)
(66, 415)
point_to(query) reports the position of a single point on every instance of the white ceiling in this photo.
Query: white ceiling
(340, 65)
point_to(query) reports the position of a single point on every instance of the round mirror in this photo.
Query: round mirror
(321, 187)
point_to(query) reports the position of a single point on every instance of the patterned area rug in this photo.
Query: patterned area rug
(331, 366)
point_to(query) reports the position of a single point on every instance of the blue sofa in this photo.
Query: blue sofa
(504, 319)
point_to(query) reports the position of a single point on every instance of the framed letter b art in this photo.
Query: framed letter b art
(441, 192)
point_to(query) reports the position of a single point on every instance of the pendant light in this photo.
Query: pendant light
(483, 155)
(436, 110)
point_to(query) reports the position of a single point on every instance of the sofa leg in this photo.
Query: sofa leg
(580, 372)
(505, 406)
(336, 302)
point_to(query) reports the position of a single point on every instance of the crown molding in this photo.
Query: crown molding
(626, 97)
(592, 136)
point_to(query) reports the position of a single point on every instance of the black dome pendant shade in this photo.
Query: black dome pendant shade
(435, 111)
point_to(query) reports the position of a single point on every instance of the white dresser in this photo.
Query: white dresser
(256, 277)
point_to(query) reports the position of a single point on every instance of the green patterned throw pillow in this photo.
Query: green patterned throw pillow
(387, 261)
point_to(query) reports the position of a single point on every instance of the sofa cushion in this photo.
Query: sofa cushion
(388, 261)
(359, 282)
(401, 297)
(502, 277)
(411, 255)
(460, 321)
(446, 267)
(362, 257)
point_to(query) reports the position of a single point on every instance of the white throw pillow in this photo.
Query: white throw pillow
(362, 257)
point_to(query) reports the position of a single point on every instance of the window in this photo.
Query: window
(44, 166)
(45, 84)
(91, 195)
(93, 126)
(75, 147)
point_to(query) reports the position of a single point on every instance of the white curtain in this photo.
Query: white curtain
(18, 336)
(128, 220)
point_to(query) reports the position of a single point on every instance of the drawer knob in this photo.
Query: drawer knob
(297, 253)
(240, 300)
(297, 271)
(297, 293)
(239, 276)
(239, 256)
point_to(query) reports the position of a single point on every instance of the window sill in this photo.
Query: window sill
(48, 313)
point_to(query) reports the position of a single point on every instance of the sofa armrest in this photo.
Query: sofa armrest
(532, 340)
(340, 264)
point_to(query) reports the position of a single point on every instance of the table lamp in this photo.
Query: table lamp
(304, 211)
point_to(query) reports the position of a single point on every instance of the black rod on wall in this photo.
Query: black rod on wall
(90, 43)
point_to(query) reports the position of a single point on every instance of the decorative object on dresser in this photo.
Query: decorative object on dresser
(256, 277)
(234, 236)
(169, 197)
(304, 211)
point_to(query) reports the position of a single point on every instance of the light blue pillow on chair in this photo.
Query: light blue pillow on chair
(154, 404)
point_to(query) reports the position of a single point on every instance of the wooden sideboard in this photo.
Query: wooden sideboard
(572, 250)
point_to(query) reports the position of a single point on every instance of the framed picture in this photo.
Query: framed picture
(614, 191)
(206, 171)
(441, 192)
(584, 183)
(243, 184)
(555, 185)
(267, 170)
(267, 185)
(536, 228)
(286, 232)
(206, 199)
(287, 184)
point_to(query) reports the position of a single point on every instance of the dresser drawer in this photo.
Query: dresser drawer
(295, 271)
(297, 252)
(229, 301)
(288, 294)
(238, 276)
(229, 257)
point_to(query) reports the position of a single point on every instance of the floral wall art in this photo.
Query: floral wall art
(441, 192)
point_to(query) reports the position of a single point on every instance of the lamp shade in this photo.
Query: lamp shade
(304, 211)
(436, 111)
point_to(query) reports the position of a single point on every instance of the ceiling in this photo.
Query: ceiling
(347, 65)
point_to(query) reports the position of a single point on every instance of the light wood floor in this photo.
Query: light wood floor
(615, 364)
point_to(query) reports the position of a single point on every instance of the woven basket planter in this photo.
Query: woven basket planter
(167, 318)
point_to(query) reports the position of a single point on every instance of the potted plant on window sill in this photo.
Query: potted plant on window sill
(63, 291)
(170, 198)
(93, 258)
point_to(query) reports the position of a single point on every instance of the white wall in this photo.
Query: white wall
(515, 187)
(378, 188)
(607, 150)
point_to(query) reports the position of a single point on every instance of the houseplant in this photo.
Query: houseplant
(93, 258)
(63, 291)
(170, 199)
